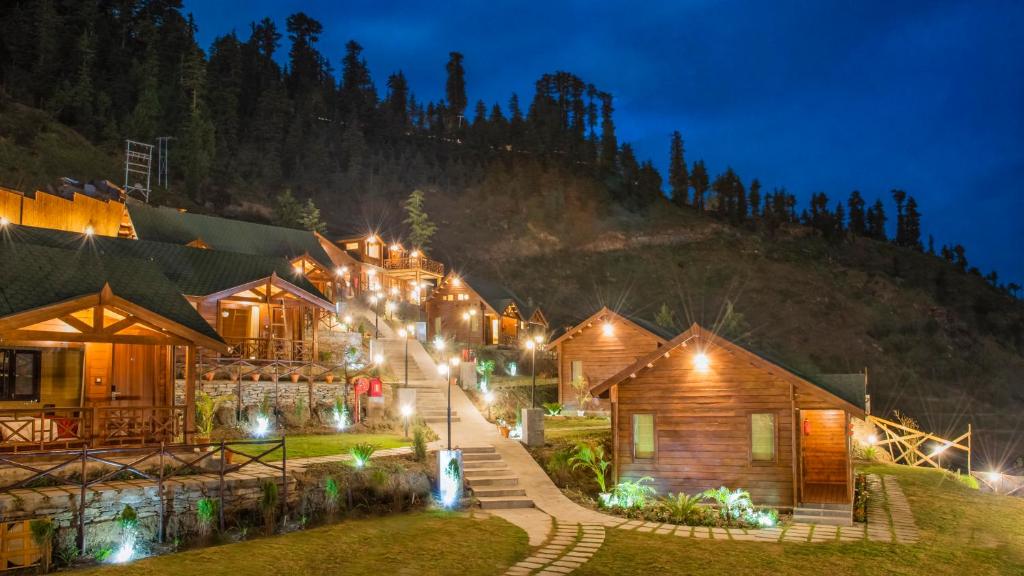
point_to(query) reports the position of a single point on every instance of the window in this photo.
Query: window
(234, 323)
(762, 437)
(352, 246)
(463, 297)
(19, 374)
(575, 370)
(643, 436)
(373, 250)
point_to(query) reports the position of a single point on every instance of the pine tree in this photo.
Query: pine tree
(678, 178)
(288, 211)
(754, 198)
(455, 90)
(398, 100)
(855, 206)
(912, 225)
(699, 182)
(665, 317)
(309, 217)
(899, 197)
(876, 221)
(146, 115)
(609, 143)
(421, 229)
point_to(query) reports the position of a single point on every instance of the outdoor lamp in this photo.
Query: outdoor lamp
(607, 329)
(701, 361)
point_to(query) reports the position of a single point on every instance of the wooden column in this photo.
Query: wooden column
(190, 391)
(614, 397)
(794, 420)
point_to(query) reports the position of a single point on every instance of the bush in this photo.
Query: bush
(206, 513)
(419, 444)
(559, 467)
(590, 456)
(553, 408)
(361, 453)
(268, 505)
(732, 504)
(633, 494)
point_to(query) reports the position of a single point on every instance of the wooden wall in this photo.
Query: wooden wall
(450, 313)
(49, 211)
(823, 439)
(602, 355)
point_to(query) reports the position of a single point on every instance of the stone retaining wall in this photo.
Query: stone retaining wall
(284, 393)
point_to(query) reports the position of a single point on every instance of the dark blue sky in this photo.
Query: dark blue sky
(813, 96)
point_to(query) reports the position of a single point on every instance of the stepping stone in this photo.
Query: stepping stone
(747, 537)
(557, 570)
(530, 565)
(684, 531)
(567, 564)
(701, 532)
(720, 533)
(666, 529)
(645, 529)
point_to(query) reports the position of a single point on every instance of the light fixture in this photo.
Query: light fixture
(411, 328)
(341, 270)
(456, 281)
(530, 344)
(4, 221)
(414, 254)
(701, 361)
(348, 319)
(297, 268)
(472, 311)
(402, 333)
(538, 339)
(89, 230)
(442, 369)
(406, 410)
(465, 315)
(607, 329)
(439, 344)
(993, 476)
(378, 359)
(872, 440)
(454, 361)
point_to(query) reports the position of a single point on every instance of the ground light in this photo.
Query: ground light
(872, 440)
(406, 414)
(993, 476)
(450, 477)
(261, 427)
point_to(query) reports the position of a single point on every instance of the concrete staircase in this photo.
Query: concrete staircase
(431, 398)
(831, 514)
(491, 481)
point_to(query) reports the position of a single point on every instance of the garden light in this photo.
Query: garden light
(406, 410)
(439, 344)
(530, 345)
(89, 230)
(341, 270)
(442, 369)
(454, 361)
(402, 333)
(701, 362)
(4, 221)
(872, 440)
(993, 476)
(378, 359)
(261, 427)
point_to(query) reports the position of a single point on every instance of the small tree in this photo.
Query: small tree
(590, 456)
(421, 229)
(665, 317)
(581, 387)
(288, 211)
(309, 218)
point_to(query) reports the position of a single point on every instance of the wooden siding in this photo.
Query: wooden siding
(702, 427)
(602, 355)
(58, 213)
(452, 324)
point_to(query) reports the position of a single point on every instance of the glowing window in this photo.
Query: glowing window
(762, 437)
(643, 436)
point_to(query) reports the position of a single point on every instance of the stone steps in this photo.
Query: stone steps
(815, 514)
(497, 492)
(505, 502)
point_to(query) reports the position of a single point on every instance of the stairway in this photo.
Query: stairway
(431, 397)
(490, 480)
(831, 514)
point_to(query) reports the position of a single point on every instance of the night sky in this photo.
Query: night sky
(813, 96)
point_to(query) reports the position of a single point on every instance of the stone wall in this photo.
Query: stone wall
(284, 393)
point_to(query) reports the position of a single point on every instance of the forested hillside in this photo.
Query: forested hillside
(537, 190)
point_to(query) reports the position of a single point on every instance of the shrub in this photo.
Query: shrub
(966, 479)
(559, 466)
(206, 410)
(553, 408)
(630, 494)
(732, 504)
(42, 534)
(869, 453)
(419, 444)
(581, 388)
(332, 494)
(361, 453)
(206, 512)
(590, 456)
(682, 507)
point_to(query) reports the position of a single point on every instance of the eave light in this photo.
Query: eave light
(607, 329)
(701, 362)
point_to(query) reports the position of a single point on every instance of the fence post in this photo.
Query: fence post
(284, 482)
(220, 491)
(81, 505)
(160, 494)
(969, 435)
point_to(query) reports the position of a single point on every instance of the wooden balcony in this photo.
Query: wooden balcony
(412, 268)
(26, 429)
(270, 349)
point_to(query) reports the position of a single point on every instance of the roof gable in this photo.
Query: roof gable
(658, 332)
(708, 340)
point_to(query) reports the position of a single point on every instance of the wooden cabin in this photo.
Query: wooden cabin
(401, 273)
(76, 213)
(702, 412)
(87, 346)
(600, 346)
(478, 312)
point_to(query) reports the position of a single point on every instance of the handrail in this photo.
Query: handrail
(420, 262)
(163, 452)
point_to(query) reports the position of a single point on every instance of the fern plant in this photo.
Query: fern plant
(633, 494)
(268, 505)
(553, 408)
(590, 456)
(206, 410)
(682, 506)
(731, 503)
(419, 444)
(332, 495)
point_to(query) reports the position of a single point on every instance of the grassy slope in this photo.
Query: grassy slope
(962, 532)
(422, 543)
(35, 151)
(312, 445)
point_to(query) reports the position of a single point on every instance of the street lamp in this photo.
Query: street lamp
(389, 308)
(489, 399)
(532, 344)
(406, 333)
(442, 369)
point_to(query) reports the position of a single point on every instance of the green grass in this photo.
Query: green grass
(313, 445)
(562, 430)
(421, 543)
(962, 532)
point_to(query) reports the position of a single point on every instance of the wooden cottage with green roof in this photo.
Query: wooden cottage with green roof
(702, 412)
(479, 312)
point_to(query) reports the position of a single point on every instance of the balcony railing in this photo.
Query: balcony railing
(413, 263)
(50, 428)
(270, 349)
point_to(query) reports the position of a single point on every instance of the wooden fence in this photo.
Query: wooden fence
(70, 468)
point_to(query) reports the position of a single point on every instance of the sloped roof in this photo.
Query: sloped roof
(497, 296)
(169, 225)
(659, 332)
(844, 392)
(33, 276)
(194, 271)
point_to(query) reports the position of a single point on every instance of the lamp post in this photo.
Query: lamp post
(376, 328)
(406, 333)
(442, 369)
(532, 344)
(489, 399)
(406, 413)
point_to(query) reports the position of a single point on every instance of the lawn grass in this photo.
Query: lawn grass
(313, 445)
(571, 430)
(962, 532)
(422, 543)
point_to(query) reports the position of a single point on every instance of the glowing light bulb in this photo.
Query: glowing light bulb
(4, 221)
(607, 329)
(89, 230)
(406, 410)
(701, 361)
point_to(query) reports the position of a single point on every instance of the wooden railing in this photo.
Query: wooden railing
(71, 468)
(55, 428)
(410, 263)
(270, 349)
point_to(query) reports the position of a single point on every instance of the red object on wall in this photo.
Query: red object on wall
(362, 385)
(807, 427)
(376, 388)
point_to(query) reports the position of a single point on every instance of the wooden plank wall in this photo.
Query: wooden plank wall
(702, 427)
(49, 211)
(450, 313)
(603, 355)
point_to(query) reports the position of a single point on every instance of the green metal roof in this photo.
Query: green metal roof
(163, 224)
(195, 271)
(35, 275)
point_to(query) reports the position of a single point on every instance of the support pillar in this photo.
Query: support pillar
(190, 392)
